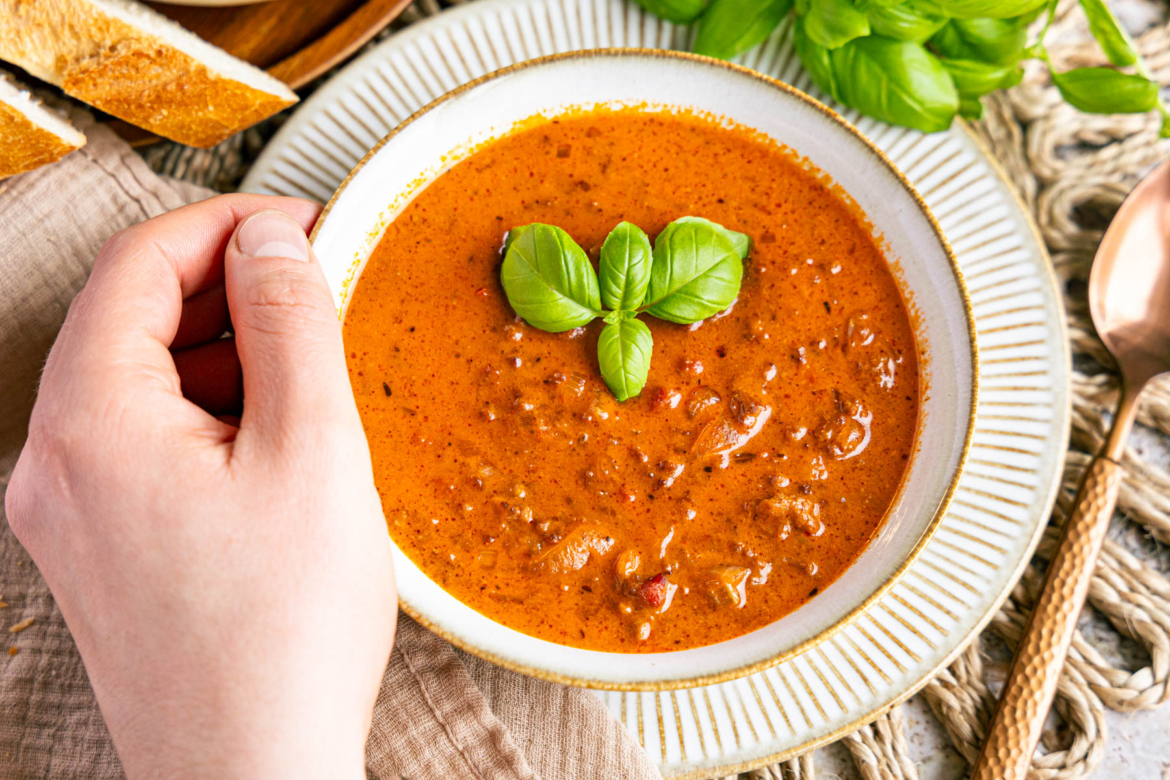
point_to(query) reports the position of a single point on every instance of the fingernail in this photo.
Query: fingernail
(272, 234)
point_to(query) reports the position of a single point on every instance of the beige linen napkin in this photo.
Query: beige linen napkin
(440, 714)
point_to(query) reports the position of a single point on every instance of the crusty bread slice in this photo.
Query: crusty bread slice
(132, 62)
(30, 134)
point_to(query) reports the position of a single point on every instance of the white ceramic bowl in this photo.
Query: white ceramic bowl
(442, 134)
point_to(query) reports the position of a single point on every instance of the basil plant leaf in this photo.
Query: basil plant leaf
(678, 11)
(905, 21)
(730, 27)
(973, 78)
(696, 273)
(833, 23)
(1106, 91)
(988, 40)
(816, 61)
(548, 279)
(625, 267)
(740, 242)
(623, 353)
(993, 9)
(899, 82)
(970, 107)
(1110, 35)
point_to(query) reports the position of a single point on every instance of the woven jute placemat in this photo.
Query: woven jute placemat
(1072, 170)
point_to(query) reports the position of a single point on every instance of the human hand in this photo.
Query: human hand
(227, 579)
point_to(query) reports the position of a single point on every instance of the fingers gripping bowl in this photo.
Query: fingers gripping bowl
(668, 585)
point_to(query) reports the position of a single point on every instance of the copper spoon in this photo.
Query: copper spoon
(1129, 298)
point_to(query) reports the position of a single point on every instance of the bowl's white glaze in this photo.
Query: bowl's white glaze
(444, 132)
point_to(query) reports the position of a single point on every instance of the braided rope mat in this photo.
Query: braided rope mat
(1072, 170)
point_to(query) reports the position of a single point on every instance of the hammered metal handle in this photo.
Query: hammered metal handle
(1031, 681)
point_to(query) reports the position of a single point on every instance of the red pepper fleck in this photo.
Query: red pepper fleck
(481, 291)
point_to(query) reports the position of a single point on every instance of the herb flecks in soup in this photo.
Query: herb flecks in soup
(756, 464)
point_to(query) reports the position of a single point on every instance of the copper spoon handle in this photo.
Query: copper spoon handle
(1031, 681)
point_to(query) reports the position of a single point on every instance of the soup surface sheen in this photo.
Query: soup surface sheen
(752, 471)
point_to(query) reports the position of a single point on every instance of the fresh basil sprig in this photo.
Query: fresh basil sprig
(696, 273)
(694, 270)
(1106, 91)
(833, 23)
(1110, 35)
(906, 21)
(988, 9)
(894, 81)
(729, 27)
(625, 267)
(984, 40)
(918, 63)
(549, 280)
(623, 353)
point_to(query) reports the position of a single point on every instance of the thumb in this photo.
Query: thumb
(287, 331)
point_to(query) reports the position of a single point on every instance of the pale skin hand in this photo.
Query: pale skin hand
(229, 586)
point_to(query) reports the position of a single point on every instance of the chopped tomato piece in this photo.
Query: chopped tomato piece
(654, 590)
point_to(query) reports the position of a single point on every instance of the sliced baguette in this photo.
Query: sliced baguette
(30, 134)
(132, 62)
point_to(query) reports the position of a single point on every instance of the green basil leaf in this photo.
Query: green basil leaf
(729, 27)
(1111, 36)
(740, 242)
(973, 78)
(548, 279)
(625, 267)
(623, 353)
(905, 21)
(993, 9)
(512, 235)
(970, 107)
(815, 59)
(679, 11)
(833, 23)
(989, 40)
(696, 273)
(899, 82)
(1105, 91)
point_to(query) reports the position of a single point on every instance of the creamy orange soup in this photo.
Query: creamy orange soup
(754, 468)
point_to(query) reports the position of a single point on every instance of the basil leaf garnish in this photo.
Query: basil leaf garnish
(905, 21)
(740, 242)
(625, 267)
(1106, 91)
(895, 81)
(1110, 36)
(729, 27)
(693, 271)
(623, 353)
(833, 23)
(696, 273)
(548, 279)
(989, 40)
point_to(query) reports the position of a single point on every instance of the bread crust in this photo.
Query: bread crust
(24, 145)
(130, 73)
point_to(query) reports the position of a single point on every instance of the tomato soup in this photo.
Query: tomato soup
(753, 469)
